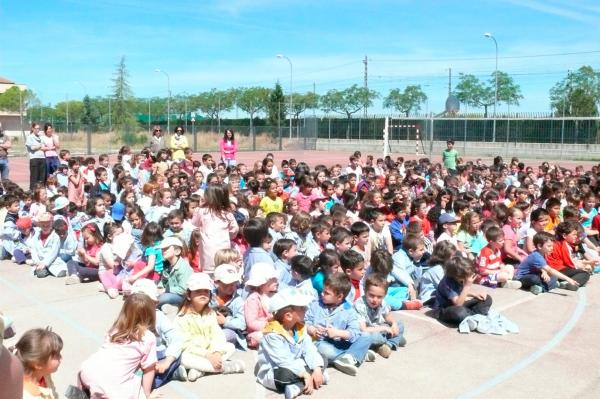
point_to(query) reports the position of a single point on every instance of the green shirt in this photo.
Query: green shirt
(450, 157)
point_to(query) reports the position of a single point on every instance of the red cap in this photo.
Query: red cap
(24, 223)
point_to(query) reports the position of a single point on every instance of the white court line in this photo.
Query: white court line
(526, 362)
(75, 325)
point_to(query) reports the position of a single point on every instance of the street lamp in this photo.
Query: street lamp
(490, 36)
(168, 100)
(291, 88)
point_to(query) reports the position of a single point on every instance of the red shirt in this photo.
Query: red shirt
(488, 260)
(560, 257)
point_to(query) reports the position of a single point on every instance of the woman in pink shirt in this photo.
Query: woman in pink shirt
(228, 148)
(50, 147)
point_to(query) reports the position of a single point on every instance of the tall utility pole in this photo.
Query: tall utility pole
(315, 95)
(449, 82)
(67, 96)
(366, 62)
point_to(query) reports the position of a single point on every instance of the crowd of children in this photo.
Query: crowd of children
(304, 265)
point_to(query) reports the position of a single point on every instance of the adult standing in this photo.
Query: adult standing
(51, 147)
(228, 147)
(5, 144)
(157, 141)
(37, 159)
(178, 144)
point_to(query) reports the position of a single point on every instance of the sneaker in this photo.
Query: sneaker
(180, 374)
(100, 287)
(346, 364)
(371, 356)
(571, 287)
(512, 284)
(293, 390)
(536, 289)
(72, 279)
(29, 262)
(325, 377)
(42, 273)
(233, 367)
(194, 374)
(562, 284)
(61, 274)
(384, 351)
(402, 342)
(112, 293)
(414, 304)
(13, 259)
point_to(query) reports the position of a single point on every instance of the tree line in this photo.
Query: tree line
(577, 94)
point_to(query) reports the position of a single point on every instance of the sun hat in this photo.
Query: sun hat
(118, 211)
(447, 218)
(60, 203)
(45, 217)
(171, 241)
(199, 281)
(289, 297)
(226, 273)
(145, 286)
(260, 273)
(121, 244)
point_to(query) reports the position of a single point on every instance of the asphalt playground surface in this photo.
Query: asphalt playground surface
(555, 355)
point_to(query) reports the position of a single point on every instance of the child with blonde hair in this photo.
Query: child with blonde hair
(39, 352)
(130, 346)
(205, 349)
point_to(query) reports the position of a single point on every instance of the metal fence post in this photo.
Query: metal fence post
(465, 140)
(562, 137)
(430, 134)
(279, 126)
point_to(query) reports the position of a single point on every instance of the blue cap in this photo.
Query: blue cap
(118, 212)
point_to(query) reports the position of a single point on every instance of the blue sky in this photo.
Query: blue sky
(52, 45)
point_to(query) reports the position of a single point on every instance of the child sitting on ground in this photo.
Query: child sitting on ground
(407, 273)
(376, 319)
(39, 352)
(263, 283)
(176, 272)
(256, 234)
(302, 271)
(288, 360)
(334, 325)
(353, 265)
(534, 272)
(455, 297)
(442, 253)
(205, 349)
(492, 272)
(327, 264)
(229, 304)
(284, 251)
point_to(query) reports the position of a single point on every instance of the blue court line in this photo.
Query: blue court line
(78, 327)
(526, 362)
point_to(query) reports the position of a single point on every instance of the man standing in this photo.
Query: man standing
(450, 157)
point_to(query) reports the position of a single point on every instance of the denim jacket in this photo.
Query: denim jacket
(342, 317)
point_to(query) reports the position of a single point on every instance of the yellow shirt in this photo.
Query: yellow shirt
(201, 333)
(268, 205)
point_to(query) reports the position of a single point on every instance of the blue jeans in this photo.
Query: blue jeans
(162, 379)
(169, 298)
(530, 280)
(378, 339)
(52, 164)
(331, 350)
(230, 162)
(4, 169)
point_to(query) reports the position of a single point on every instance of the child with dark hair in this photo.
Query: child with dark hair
(455, 297)
(284, 251)
(398, 224)
(353, 265)
(376, 319)
(442, 253)
(334, 326)
(326, 264)
(562, 259)
(406, 273)
(302, 271)
(534, 272)
(361, 233)
(256, 234)
(491, 270)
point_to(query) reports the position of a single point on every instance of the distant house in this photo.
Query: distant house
(11, 121)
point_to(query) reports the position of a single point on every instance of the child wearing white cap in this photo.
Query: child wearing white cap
(205, 349)
(262, 281)
(229, 304)
(288, 361)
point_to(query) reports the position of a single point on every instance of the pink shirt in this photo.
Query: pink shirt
(304, 201)
(228, 149)
(75, 192)
(216, 232)
(256, 312)
(51, 142)
(110, 372)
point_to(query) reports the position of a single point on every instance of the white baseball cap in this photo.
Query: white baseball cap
(226, 273)
(60, 203)
(260, 273)
(145, 286)
(171, 241)
(289, 297)
(199, 281)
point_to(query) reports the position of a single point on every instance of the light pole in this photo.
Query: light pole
(490, 36)
(168, 100)
(291, 89)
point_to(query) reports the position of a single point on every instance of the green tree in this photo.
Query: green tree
(74, 108)
(10, 100)
(508, 91)
(213, 103)
(405, 101)
(277, 106)
(253, 100)
(304, 101)
(348, 101)
(91, 115)
(122, 116)
(471, 91)
(578, 94)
